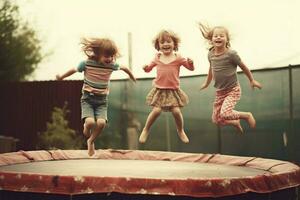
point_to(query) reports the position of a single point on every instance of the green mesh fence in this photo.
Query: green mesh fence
(276, 108)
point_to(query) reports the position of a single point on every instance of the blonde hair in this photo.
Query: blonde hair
(207, 33)
(166, 34)
(96, 47)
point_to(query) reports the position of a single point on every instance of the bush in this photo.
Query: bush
(58, 134)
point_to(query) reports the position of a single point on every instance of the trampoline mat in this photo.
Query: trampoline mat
(133, 169)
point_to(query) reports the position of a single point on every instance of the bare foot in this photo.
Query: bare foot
(143, 136)
(237, 125)
(251, 121)
(86, 131)
(184, 138)
(91, 148)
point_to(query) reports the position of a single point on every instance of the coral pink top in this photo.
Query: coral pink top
(167, 74)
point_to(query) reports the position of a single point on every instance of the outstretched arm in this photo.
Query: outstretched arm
(189, 64)
(253, 83)
(127, 71)
(208, 79)
(148, 68)
(65, 75)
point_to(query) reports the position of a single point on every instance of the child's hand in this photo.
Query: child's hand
(133, 79)
(203, 86)
(190, 61)
(255, 84)
(145, 68)
(58, 77)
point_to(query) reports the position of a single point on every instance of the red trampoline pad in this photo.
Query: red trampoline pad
(143, 172)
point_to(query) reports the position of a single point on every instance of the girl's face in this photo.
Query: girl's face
(106, 59)
(219, 38)
(166, 45)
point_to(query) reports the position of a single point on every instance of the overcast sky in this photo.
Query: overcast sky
(264, 32)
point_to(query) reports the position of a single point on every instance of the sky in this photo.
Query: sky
(265, 33)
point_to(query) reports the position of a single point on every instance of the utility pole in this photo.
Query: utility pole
(132, 122)
(130, 50)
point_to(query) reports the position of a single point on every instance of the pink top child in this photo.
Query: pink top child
(166, 95)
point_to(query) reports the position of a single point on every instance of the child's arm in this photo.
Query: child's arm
(189, 64)
(68, 73)
(148, 68)
(127, 71)
(208, 79)
(253, 83)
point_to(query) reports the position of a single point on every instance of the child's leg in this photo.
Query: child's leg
(88, 125)
(227, 111)
(249, 118)
(150, 120)
(236, 123)
(224, 113)
(100, 124)
(230, 116)
(217, 105)
(179, 124)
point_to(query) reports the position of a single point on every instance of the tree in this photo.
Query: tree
(20, 49)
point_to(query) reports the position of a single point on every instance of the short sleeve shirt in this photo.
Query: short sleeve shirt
(224, 68)
(96, 76)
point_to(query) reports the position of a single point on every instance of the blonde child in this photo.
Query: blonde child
(101, 55)
(223, 66)
(166, 94)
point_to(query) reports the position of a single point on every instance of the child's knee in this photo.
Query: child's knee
(225, 115)
(156, 110)
(89, 122)
(222, 116)
(101, 122)
(176, 111)
(217, 120)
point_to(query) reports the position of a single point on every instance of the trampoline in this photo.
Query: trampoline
(134, 174)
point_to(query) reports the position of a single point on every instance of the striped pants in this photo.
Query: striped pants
(224, 104)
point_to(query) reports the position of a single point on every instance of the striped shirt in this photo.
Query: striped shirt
(96, 76)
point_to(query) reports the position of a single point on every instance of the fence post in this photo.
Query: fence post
(291, 154)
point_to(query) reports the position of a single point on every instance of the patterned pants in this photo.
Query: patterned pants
(224, 104)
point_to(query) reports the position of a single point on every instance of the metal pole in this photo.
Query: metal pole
(131, 132)
(291, 112)
(129, 50)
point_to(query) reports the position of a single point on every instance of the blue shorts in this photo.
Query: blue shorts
(94, 106)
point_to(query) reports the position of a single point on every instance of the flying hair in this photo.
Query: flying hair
(207, 32)
(95, 47)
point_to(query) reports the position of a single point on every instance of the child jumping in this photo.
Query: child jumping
(101, 55)
(166, 94)
(223, 66)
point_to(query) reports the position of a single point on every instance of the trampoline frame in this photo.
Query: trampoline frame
(283, 175)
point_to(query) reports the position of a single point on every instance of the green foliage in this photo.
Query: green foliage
(58, 134)
(19, 46)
